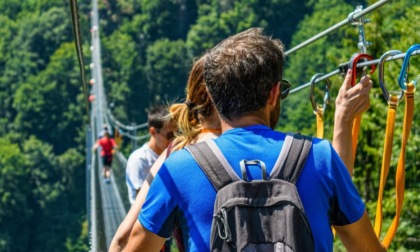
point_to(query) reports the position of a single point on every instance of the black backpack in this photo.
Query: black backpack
(259, 215)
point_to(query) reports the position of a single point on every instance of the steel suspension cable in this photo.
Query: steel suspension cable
(353, 16)
(77, 39)
(123, 126)
(137, 138)
(344, 65)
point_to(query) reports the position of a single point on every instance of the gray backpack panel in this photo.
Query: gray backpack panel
(259, 215)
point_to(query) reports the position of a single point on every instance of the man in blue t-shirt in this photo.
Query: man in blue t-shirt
(244, 79)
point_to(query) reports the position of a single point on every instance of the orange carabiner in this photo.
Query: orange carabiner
(353, 65)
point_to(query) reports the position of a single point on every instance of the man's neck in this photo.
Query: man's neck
(244, 121)
(153, 145)
(211, 122)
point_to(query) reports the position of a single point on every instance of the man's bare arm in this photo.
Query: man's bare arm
(143, 240)
(123, 233)
(359, 236)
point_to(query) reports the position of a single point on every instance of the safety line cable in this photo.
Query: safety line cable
(344, 65)
(353, 16)
(122, 126)
(137, 138)
(77, 40)
(128, 128)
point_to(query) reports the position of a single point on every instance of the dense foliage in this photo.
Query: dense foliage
(148, 47)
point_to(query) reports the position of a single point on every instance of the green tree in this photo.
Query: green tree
(81, 244)
(166, 70)
(41, 33)
(213, 25)
(8, 31)
(47, 102)
(168, 18)
(15, 210)
(119, 57)
(45, 189)
(10, 7)
(56, 198)
(26, 49)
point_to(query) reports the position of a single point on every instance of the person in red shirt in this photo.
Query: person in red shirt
(108, 145)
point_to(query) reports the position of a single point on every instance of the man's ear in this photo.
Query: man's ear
(152, 131)
(274, 94)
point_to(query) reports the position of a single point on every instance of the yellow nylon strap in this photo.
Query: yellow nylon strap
(355, 134)
(400, 175)
(319, 122)
(386, 159)
(117, 137)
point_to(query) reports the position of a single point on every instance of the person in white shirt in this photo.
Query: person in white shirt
(161, 131)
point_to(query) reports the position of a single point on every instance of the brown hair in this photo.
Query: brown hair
(157, 117)
(241, 70)
(197, 104)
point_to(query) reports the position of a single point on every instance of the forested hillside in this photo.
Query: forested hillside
(147, 49)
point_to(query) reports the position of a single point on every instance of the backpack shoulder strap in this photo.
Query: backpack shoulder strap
(292, 157)
(213, 163)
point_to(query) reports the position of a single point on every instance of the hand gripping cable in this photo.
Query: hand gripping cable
(356, 124)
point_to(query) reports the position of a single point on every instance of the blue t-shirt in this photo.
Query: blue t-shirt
(182, 192)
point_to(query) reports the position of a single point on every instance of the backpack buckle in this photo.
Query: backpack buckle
(223, 225)
(244, 163)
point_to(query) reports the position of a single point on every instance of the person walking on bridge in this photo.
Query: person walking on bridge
(108, 147)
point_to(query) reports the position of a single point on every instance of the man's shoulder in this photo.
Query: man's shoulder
(180, 160)
(321, 147)
(179, 156)
(141, 151)
(323, 157)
